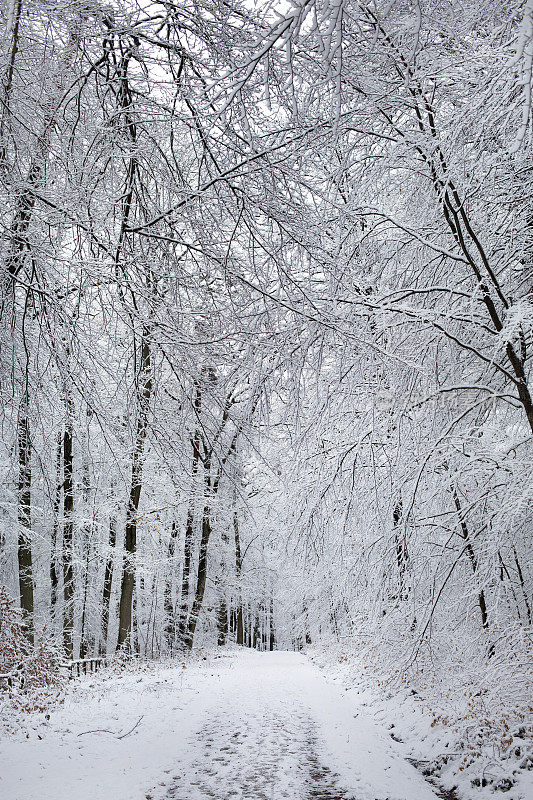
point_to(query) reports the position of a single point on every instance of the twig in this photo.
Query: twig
(117, 736)
(128, 733)
(98, 730)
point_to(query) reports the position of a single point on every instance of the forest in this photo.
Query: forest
(265, 348)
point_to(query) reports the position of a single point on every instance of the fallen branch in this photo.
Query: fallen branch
(116, 735)
(123, 736)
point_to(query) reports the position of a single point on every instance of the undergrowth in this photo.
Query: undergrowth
(31, 678)
(465, 718)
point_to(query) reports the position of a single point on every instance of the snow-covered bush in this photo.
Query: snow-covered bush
(30, 675)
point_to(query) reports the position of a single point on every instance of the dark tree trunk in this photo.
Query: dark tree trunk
(264, 628)
(8, 78)
(136, 623)
(523, 587)
(128, 574)
(249, 624)
(238, 571)
(68, 531)
(54, 567)
(272, 640)
(305, 617)
(24, 517)
(400, 544)
(16, 257)
(186, 574)
(473, 560)
(456, 216)
(143, 378)
(201, 579)
(189, 533)
(211, 487)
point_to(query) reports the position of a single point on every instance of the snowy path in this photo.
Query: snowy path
(249, 725)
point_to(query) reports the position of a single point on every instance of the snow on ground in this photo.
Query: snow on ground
(252, 725)
(465, 737)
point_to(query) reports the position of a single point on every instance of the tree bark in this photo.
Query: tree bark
(144, 394)
(238, 571)
(202, 577)
(256, 632)
(84, 635)
(455, 214)
(54, 568)
(211, 487)
(68, 533)
(18, 246)
(222, 622)
(144, 377)
(87, 529)
(473, 560)
(13, 22)
(24, 517)
(186, 574)
(272, 640)
(108, 580)
(189, 530)
(523, 587)
(400, 545)
(170, 617)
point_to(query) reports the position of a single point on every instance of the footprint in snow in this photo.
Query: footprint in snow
(261, 757)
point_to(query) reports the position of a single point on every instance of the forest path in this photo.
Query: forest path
(276, 729)
(237, 726)
(260, 740)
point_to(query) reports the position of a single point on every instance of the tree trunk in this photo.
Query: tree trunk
(144, 395)
(202, 577)
(189, 531)
(24, 517)
(68, 531)
(455, 214)
(13, 30)
(54, 568)
(272, 641)
(400, 545)
(256, 632)
(238, 571)
(87, 536)
(186, 574)
(307, 632)
(18, 246)
(108, 580)
(264, 627)
(170, 617)
(84, 637)
(473, 561)
(523, 587)
(136, 632)
(222, 622)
